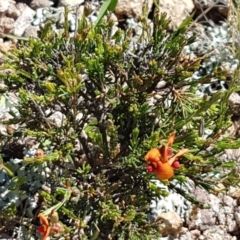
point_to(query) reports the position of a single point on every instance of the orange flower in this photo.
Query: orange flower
(161, 160)
(153, 155)
(45, 228)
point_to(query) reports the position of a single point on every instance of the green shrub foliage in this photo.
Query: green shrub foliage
(103, 84)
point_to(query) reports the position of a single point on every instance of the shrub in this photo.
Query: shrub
(95, 105)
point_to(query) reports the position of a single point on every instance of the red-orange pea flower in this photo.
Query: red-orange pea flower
(161, 160)
(45, 228)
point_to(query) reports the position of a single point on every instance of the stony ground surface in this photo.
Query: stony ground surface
(178, 219)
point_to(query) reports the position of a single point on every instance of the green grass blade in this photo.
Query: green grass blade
(107, 5)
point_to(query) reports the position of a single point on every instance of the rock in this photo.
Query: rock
(228, 201)
(65, 3)
(219, 188)
(80, 12)
(3, 87)
(56, 16)
(201, 195)
(12, 10)
(201, 219)
(4, 46)
(137, 29)
(231, 224)
(35, 4)
(234, 101)
(195, 234)
(4, 5)
(224, 10)
(112, 17)
(31, 31)
(170, 224)
(57, 119)
(207, 217)
(5, 115)
(186, 236)
(177, 10)
(21, 6)
(228, 209)
(6, 25)
(221, 217)
(214, 233)
(234, 192)
(231, 155)
(23, 21)
(214, 236)
(214, 203)
(161, 84)
(237, 218)
(132, 8)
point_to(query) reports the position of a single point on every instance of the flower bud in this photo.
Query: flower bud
(176, 164)
(54, 217)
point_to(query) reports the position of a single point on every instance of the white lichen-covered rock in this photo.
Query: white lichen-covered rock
(23, 21)
(56, 16)
(65, 3)
(35, 4)
(177, 10)
(230, 155)
(34, 179)
(174, 202)
(8, 104)
(132, 8)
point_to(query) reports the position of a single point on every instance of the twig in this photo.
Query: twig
(40, 111)
(204, 13)
(102, 129)
(76, 20)
(86, 149)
